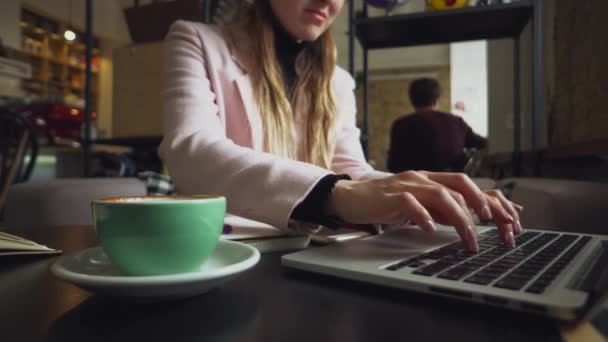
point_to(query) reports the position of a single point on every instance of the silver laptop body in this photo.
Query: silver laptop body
(557, 274)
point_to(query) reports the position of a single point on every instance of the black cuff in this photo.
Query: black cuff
(312, 208)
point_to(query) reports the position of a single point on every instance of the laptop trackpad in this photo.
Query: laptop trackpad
(393, 245)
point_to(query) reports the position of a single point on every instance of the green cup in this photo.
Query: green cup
(159, 235)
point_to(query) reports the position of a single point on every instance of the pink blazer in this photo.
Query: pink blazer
(213, 138)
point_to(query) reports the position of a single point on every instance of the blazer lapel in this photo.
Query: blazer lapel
(239, 51)
(243, 84)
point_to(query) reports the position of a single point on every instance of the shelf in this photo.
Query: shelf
(81, 47)
(35, 31)
(33, 54)
(32, 87)
(57, 61)
(82, 68)
(444, 26)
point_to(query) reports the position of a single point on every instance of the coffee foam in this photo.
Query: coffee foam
(157, 199)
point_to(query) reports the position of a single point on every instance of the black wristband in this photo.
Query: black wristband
(313, 208)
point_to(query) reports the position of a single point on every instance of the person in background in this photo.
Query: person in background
(259, 112)
(429, 139)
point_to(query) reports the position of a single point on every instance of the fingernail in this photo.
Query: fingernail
(519, 227)
(474, 246)
(485, 211)
(511, 239)
(429, 226)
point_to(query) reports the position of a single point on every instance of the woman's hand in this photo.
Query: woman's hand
(425, 198)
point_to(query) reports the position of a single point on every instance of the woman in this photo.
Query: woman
(258, 111)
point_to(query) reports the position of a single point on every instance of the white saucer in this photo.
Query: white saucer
(92, 270)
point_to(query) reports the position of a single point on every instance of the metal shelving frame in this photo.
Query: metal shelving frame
(471, 23)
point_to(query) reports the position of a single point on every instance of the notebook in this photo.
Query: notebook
(14, 245)
(262, 236)
(558, 274)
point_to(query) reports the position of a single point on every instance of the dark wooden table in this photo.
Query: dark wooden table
(266, 303)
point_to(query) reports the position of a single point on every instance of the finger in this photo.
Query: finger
(508, 206)
(458, 197)
(506, 234)
(409, 176)
(440, 201)
(464, 235)
(499, 213)
(416, 212)
(505, 227)
(464, 185)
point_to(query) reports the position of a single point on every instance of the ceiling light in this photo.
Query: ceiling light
(69, 35)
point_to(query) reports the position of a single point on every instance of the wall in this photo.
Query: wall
(500, 86)
(137, 104)
(10, 12)
(500, 92)
(469, 83)
(581, 80)
(575, 78)
(106, 88)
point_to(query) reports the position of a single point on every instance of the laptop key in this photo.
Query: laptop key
(398, 266)
(415, 264)
(453, 247)
(478, 279)
(489, 274)
(433, 256)
(547, 277)
(432, 269)
(475, 263)
(455, 273)
(511, 283)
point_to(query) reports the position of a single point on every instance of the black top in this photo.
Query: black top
(431, 141)
(287, 49)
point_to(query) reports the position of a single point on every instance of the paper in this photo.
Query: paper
(14, 245)
(262, 236)
(242, 228)
(9, 237)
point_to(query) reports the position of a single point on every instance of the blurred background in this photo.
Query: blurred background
(563, 133)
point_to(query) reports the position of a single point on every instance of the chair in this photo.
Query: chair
(559, 204)
(17, 140)
(468, 162)
(62, 201)
(112, 165)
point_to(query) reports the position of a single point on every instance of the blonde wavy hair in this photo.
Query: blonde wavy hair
(313, 91)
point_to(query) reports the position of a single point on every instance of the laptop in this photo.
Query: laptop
(557, 274)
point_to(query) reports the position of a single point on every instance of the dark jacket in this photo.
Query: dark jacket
(431, 141)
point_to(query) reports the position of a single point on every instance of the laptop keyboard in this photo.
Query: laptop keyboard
(523, 267)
